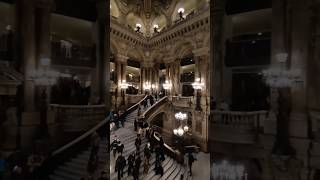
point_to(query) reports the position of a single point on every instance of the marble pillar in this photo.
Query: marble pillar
(103, 60)
(217, 14)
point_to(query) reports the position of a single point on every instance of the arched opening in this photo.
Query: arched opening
(133, 76)
(187, 76)
(158, 120)
(162, 77)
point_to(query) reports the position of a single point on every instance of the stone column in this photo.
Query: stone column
(29, 119)
(217, 14)
(103, 60)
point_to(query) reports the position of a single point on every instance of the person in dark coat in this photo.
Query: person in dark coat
(131, 160)
(191, 159)
(135, 123)
(120, 148)
(136, 168)
(135, 173)
(120, 164)
(151, 100)
(138, 143)
(158, 168)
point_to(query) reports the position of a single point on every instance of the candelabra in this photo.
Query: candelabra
(138, 27)
(123, 86)
(167, 86)
(183, 126)
(197, 85)
(180, 12)
(282, 79)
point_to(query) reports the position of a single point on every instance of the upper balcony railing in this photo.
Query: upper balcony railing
(193, 22)
(126, 33)
(237, 127)
(72, 54)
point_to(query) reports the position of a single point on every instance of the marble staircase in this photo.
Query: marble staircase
(127, 135)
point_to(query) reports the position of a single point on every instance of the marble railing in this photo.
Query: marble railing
(127, 34)
(236, 127)
(77, 117)
(132, 99)
(182, 101)
(154, 108)
(196, 22)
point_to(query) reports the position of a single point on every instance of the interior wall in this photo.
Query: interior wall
(7, 16)
(72, 29)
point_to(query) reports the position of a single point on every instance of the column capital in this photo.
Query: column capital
(122, 58)
(201, 52)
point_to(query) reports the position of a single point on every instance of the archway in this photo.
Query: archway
(188, 68)
(158, 120)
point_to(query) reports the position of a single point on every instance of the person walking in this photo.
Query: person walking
(131, 160)
(191, 160)
(120, 148)
(120, 164)
(136, 168)
(135, 123)
(95, 142)
(114, 146)
(146, 165)
(138, 143)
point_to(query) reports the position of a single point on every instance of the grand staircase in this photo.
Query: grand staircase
(76, 167)
(127, 136)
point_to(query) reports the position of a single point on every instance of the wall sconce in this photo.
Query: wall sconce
(138, 26)
(181, 11)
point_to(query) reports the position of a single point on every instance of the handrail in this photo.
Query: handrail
(162, 100)
(94, 129)
(169, 150)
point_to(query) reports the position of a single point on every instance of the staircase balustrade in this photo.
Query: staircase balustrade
(154, 107)
(77, 117)
(237, 127)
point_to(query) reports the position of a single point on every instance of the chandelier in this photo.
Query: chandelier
(182, 129)
(147, 86)
(197, 85)
(167, 85)
(180, 116)
(124, 85)
(280, 76)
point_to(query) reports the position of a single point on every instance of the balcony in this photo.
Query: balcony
(236, 127)
(193, 22)
(67, 53)
(179, 101)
